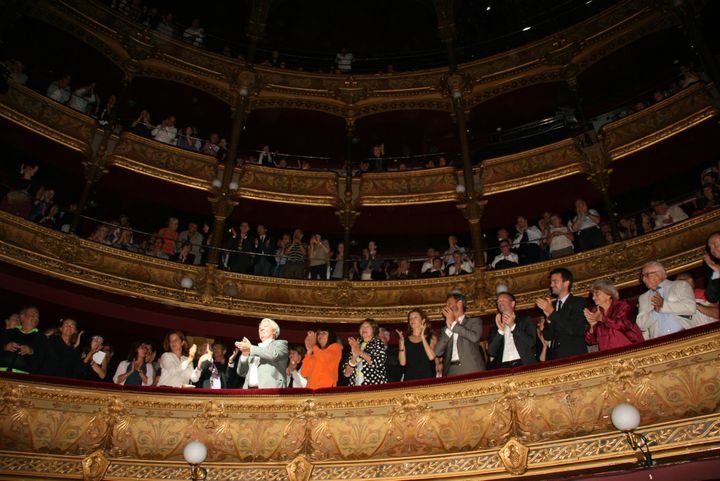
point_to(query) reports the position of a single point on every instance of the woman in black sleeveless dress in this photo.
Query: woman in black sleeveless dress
(417, 350)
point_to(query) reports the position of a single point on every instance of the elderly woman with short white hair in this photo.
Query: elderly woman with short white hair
(264, 365)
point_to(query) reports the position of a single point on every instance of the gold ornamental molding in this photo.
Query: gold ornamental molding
(305, 187)
(48, 118)
(538, 422)
(155, 159)
(141, 51)
(83, 262)
(408, 187)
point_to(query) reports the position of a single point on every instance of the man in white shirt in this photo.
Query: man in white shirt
(453, 247)
(586, 226)
(60, 90)
(513, 342)
(264, 365)
(83, 99)
(505, 259)
(344, 61)
(667, 307)
(459, 342)
(166, 131)
(527, 241)
(667, 215)
(428, 264)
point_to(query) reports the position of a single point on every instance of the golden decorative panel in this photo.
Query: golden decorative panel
(408, 187)
(289, 186)
(48, 118)
(533, 422)
(149, 157)
(67, 257)
(143, 52)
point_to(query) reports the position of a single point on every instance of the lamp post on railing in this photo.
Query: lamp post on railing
(626, 418)
(195, 454)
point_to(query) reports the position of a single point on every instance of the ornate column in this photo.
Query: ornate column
(456, 85)
(95, 166)
(346, 213)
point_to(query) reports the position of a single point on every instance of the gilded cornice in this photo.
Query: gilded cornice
(304, 187)
(664, 119)
(66, 257)
(408, 187)
(144, 52)
(558, 415)
(47, 118)
(152, 158)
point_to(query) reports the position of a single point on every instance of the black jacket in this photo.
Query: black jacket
(525, 336)
(565, 329)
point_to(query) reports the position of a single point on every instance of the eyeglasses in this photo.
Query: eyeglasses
(648, 274)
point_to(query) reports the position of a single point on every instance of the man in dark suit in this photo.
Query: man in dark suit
(214, 372)
(243, 242)
(265, 247)
(712, 261)
(459, 342)
(514, 341)
(565, 326)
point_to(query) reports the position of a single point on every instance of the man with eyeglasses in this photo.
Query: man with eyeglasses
(667, 307)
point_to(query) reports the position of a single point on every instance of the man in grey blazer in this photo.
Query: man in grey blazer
(264, 365)
(459, 342)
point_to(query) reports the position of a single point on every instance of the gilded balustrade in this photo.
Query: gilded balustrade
(640, 130)
(538, 422)
(60, 255)
(144, 52)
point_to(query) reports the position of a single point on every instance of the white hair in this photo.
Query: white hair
(655, 264)
(273, 325)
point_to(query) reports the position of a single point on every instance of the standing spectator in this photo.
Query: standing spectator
(339, 259)
(453, 247)
(344, 61)
(366, 363)
(211, 371)
(176, 363)
(194, 238)
(611, 322)
(241, 259)
(194, 34)
(166, 131)
(187, 139)
(295, 360)
(169, 236)
(586, 226)
(712, 263)
(296, 253)
(109, 113)
(62, 357)
(135, 371)
(280, 257)
(514, 341)
(505, 259)
(565, 326)
(370, 264)
(264, 250)
(459, 342)
(23, 348)
(319, 256)
(667, 307)
(559, 238)
(527, 241)
(393, 369)
(266, 157)
(142, 126)
(59, 90)
(92, 370)
(417, 353)
(264, 365)
(320, 365)
(83, 99)
(667, 215)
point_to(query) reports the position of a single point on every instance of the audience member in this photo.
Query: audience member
(322, 358)
(95, 361)
(84, 99)
(142, 126)
(453, 247)
(505, 259)
(586, 226)
(565, 325)
(62, 356)
(59, 90)
(611, 322)
(712, 263)
(417, 353)
(24, 347)
(527, 241)
(319, 257)
(459, 341)
(212, 368)
(339, 259)
(295, 360)
(666, 215)
(135, 371)
(176, 363)
(264, 365)
(169, 235)
(667, 307)
(194, 238)
(461, 265)
(706, 312)
(559, 238)
(370, 264)
(243, 243)
(366, 363)
(514, 341)
(166, 25)
(166, 131)
(194, 34)
(344, 61)
(296, 253)
(393, 369)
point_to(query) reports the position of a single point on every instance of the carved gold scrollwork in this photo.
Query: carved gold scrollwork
(299, 469)
(514, 456)
(94, 466)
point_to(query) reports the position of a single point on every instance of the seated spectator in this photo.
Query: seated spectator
(366, 363)
(505, 259)
(707, 312)
(712, 263)
(194, 34)
(195, 239)
(295, 360)
(41, 206)
(647, 224)
(212, 146)
(416, 353)
(628, 228)
(169, 236)
(187, 139)
(428, 264)
(59, 90)
(402, 271)
(109, 113)
(24, 347)
(586, 226)
(156, 248)
(560, 239)
(176, 363)
(607, 233)
(17, 73)
(322, 358)
(62, 356)
(667, 307)
(135, 371)
(513, 342)
(461, 265)
(184, 256)
(92, 369)
(667, 215)
(436, 270)
(101, 235)
(84, 100)
(142, 126)
(12, 321)
(453, 247)
(266, 157)
(709, 198)
(166, 26)
(688, 76)
(494, 248)
(125, 242)
(611, 321)
(527, 241)
(166, 131)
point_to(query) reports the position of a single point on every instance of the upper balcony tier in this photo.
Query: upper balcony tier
(621, 138)
(140, 51)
